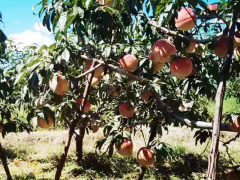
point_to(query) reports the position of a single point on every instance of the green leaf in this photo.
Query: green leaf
(62, 21)
(77, 11)
(66, 55)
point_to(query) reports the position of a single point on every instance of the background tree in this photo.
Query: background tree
(193, 52)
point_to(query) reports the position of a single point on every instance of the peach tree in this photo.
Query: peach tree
(133, 63)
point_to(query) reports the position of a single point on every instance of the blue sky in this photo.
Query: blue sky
(17, 15)
(20, 23)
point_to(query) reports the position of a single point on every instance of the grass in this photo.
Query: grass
(35, 156)
(229, 105)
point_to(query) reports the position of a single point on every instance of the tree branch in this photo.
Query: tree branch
(189, 38)
(161, 104)
(214, 152)
(73, 126)
(4, 162)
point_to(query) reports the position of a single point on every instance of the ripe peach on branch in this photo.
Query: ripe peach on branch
(43, 123)
(235, 124)
(108, 3)
(98, 73)
(181, 67)
(1, 128)
(129, 62)
(186, 19)
(212, 7)
(220, 49)
(61, 84)
(87, 105)
(126, 110)
(147, 96)
(162, 51)
(95, 127)
(145, 157)
(126, 148)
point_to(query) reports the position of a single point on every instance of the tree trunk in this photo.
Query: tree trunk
(214, 152)
(4, 162)
(73, 126)
(79, 141)
(141, 175)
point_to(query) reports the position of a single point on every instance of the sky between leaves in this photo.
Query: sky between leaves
(23, 26)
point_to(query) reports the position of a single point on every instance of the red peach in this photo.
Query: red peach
(126, 148)
(114, 93)
(145, 157)
(129, 62)
(43, 123)
(161, 51)
(87, 105)
(220, 49)
(95, 81)
(186, 19)
(1, 128)
(108, 3)
(62, 84)
(95, 127)
(126, 110)
(181, 67)
(99, 72)
(235, 125)
(147, 96)
(212, 7)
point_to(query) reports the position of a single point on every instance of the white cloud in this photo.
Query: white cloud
(38, 35)
(38, 27)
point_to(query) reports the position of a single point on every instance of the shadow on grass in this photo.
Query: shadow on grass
(185, 167)
(12, 154)
(102, 166)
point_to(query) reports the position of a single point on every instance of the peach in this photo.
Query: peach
(234, 175)
(87, 105)
(108, 3)
(126, 148)
(126, 110)
(220, 49)
(235, 125)
(236, 39)
(181, 67)
(95, 127)
(186, 19)
(1, 128)
(191, 48)
(145, 157)
(42, 123)
(114, 93)
(99, 72)
(62, 84)
(147, 96)
(161, 51)
(157, 67)
(212, 7)
(129, 62)
(95, 81)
